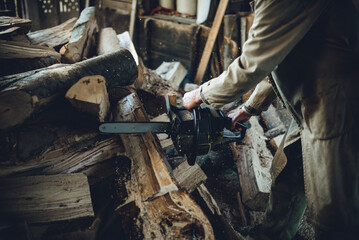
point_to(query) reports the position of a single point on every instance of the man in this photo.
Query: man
(311, 49)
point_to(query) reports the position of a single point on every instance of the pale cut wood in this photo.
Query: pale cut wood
(154, 192)
(18, 57)
(189, 177)
(90, 95)
(55, 36)
(210, 41)
(39, 199)
(108, 41)
(273, 124)
(21, 95)
(82, 37)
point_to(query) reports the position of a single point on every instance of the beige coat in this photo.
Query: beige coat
(312, 48)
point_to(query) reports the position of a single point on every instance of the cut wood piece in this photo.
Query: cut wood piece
(189, 177)
(108, 41)
(90, 95)
(53, 37)
(18, 57)
(272, 122)
(163, 211)
(40, 199)
(9, 22)
(82, 37)
(210, 41)
(165, 139)
(126, 43)
(253, 178)
(173, 72)
(215, 213)
(25, 93)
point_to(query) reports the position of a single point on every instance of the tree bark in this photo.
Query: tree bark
(164, 212)
(25, 93)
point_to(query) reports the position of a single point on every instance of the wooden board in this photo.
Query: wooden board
(210, 41)
(38, 199)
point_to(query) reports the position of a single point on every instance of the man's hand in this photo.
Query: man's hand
(192, 99)
(239, 116)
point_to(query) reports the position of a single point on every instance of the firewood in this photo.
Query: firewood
(163, 211)
(189, 177)
(273, 124)
(39, 199)
(9, 22)
(108, 41)
(17, 57)
(90, 95)
(53, 37)
(21, 95)
(82, 37)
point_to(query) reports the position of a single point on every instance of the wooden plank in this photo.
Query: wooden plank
(189, 177)
(210, 41)
(39, 199)
(133, 18)
(8, 22)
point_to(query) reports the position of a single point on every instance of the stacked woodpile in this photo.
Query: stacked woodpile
(61, 179)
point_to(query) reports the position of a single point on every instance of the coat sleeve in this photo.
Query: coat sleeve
(277, 27)
(262, 96)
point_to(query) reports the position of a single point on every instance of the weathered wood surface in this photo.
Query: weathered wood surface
(18, 57)
(90, 95)
(272, 122)
(253, 160)
(108, 41)
(9, 22)
(210, 41)
(164, 212)
(189, 177)
(21, 95)
(55, 36)
(14, 34)
(82, 37)
(38, 199)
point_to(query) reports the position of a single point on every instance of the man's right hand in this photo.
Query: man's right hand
(240, 116)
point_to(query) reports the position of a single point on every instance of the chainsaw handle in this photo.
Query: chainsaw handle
(228, 125)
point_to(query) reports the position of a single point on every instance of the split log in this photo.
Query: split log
(17, 57)
(90, 95)
(173, 72)
(82, 37)
(108, 41)
(253, 160)
(163, 211)
(9, 22)
(189, 177)
(25, 93)
(39, 199)
(54, 37)
(272, 123)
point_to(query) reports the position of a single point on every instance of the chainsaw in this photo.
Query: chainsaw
(194, 133)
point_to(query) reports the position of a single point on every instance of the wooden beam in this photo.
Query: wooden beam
(210, 41)
(39, 199)
(133, 18)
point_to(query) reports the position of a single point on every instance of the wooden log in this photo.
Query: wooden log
(108, 41)
(39, 199)
(272, 123)
(253, 160)
(189, 177)
(54, 37)
(9, 22)
(18, 57)
(163, 211)
(242, 214)
(82, 37)
(14, 34)
(90, 95)
(210, 41)
(25, 93)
